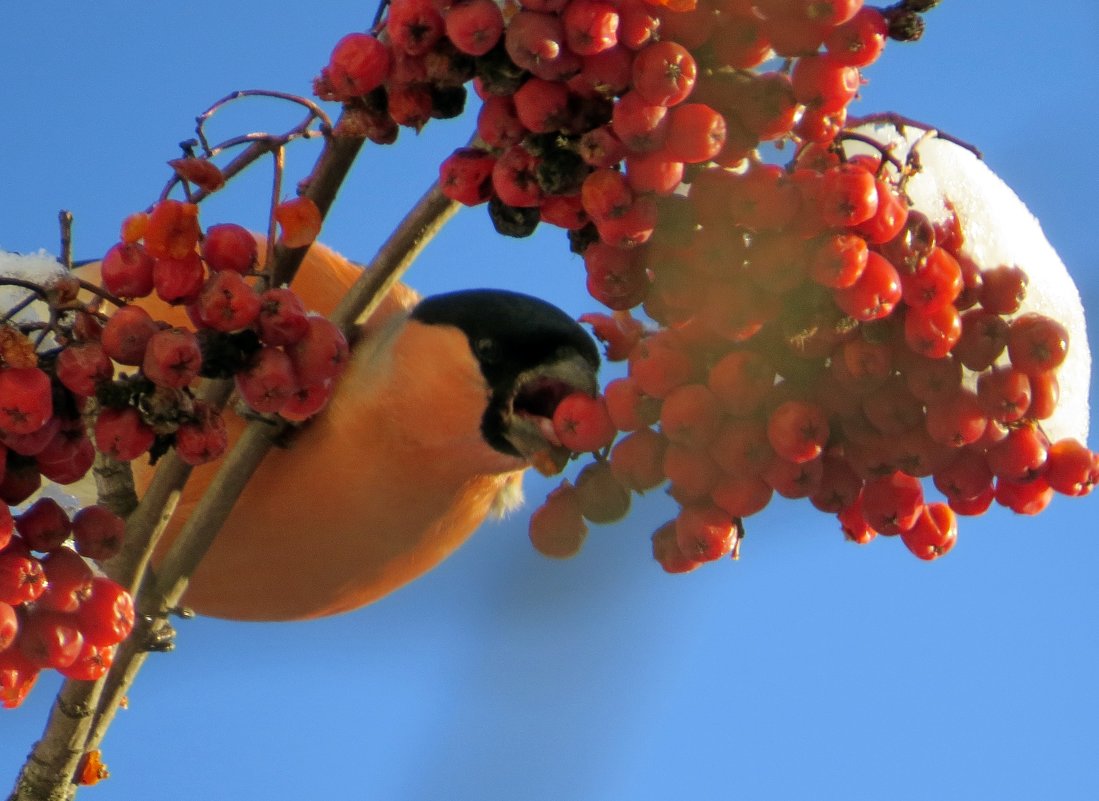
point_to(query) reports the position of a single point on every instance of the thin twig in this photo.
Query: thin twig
(65, 218)
(276, 195)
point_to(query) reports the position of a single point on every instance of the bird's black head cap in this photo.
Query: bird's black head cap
(511, 335)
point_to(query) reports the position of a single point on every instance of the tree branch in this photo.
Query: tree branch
(48, 772)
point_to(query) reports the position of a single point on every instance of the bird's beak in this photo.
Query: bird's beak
(529, 421)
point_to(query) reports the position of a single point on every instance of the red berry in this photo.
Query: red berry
(91, 664)
(1026, 497)
(1004, 392)
(582, 423)
(1003, 289)
(664, 73)
(1020, 456)
(358, 64)
(227, 303)
(414, 26)
(17, 677)
(859, 41)
(696, 133)
(203, 439)
(466, 176)
(602, 497)
(98, 532)
(26, 399)
(616, 277)
(107, 616)
(838, 260)
(874, 294)
(690, 415)
(893, 503)
(557, 527)
(299, 218)
(474, 26)
(848, 195)
(121, 433)
(22, 578)
(934, 532)
(591, 26)
(269, 382)
(692, 472)
(638, 123)
(127, 271)
(983, 339)
(44, 526)
(741, 496)
(50, 639)
(741, 380)
(854, 525)
(68, 456)
(932, 334)
(667, 552)
(282, 317)
(126, 334)
(172, 231)
(178, 281)
(172, 358)
(824, 83)
(68, 581)
(321, 354)
(1071, 468)
(934, 283)
(515, 179)
(82, 366)
(1036, 343)
(637, 460)
(705, 532)
(797, 430)
(231, 247)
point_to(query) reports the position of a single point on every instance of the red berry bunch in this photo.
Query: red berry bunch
(55, 612)
(283, 360)
(141, 371)
(816, 337)
(841, 356)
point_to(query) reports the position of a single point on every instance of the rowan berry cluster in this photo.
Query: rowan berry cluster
(816, 337)
(122, 384)
(55, 611)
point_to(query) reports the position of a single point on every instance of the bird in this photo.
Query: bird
(443, 405)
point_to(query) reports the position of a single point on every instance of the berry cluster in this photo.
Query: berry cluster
(886, 359)
(816, 337)
(53, 611)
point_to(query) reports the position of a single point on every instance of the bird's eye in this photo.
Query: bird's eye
(486, 349)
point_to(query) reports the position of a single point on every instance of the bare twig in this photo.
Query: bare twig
(65, 218)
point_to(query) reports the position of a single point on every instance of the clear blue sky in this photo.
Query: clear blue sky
(812, 669)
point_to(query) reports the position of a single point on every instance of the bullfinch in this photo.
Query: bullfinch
(442, 406)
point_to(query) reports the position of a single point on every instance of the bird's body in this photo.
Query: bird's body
(427, 433)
